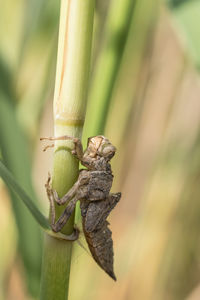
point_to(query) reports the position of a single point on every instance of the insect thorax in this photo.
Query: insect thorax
(98, 186)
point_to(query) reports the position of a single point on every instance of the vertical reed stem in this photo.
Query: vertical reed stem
(74, 50)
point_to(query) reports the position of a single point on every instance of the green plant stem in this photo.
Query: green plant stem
(108, 62)
(74, 49)
(143, 21)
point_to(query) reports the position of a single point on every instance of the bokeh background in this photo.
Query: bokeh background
(145, 69)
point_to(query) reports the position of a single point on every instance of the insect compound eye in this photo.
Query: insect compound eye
(108, 150)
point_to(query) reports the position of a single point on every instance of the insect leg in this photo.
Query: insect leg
(58, 225)
(51, 199)
(78, 148)
(68, 196)
(72, 237)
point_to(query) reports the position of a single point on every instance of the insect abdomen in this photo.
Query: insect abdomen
(101, 247)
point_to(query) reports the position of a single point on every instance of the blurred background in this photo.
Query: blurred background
(146, 85)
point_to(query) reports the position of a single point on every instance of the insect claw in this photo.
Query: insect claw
(43, 138)
(47, 147)
(73, 152)
(47, 184)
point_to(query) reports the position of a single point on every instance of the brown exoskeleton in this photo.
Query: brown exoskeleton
(93, 190)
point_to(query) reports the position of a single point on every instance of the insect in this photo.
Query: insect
(96, 202)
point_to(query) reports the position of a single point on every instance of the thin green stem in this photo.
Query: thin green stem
(106, 70)
(143, 20)
(74, 49)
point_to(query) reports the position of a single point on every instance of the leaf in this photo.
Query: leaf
(6, 83)
(38, 216)
(14, 150)
(12, 183)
